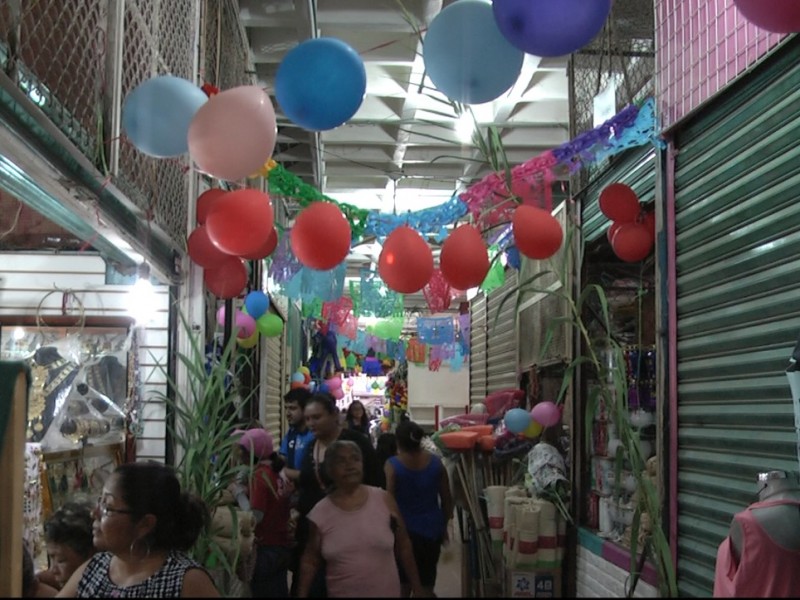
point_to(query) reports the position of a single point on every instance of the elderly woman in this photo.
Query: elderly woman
(358, 531)
(143, 525)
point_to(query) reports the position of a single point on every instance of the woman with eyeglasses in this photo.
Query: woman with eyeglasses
(143, 525)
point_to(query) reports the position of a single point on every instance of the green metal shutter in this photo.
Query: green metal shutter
(737, 172)
(477, 349)
(635, 168)
(501, 358)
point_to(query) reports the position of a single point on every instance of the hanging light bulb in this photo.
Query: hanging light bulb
(142, 304)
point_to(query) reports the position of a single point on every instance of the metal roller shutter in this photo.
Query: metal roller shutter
(477, 349)
(273, 378)
(637, 169)
(501, 359)
(737, 171)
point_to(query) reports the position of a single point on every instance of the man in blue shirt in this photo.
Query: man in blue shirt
(299, 437)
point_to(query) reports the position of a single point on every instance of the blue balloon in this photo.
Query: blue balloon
(512, 256)
(466, 56)
(320, 83)
(157, 113)
(256, 303)
(550, 27)
(298, 378)
(517, 420)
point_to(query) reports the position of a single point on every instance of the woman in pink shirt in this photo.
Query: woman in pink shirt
(356, 529)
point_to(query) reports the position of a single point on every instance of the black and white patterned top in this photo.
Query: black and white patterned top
(166, 583)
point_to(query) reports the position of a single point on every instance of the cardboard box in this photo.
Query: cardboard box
(533, 584)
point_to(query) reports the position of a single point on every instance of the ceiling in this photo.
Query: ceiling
(395, 153)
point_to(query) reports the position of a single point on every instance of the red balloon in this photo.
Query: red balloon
(240, 223)
(464, 260)
(612, 230)
(632, 242)
(406, 261)
(320, 237)
(206, 201)
(619, 203)
(266, 249)
(227, 280)
(202, 251)
(537, 233)
(780, 16)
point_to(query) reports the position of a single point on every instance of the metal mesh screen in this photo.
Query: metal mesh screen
(56, 51)
(226, 46)
(624, 50)
(158, 39)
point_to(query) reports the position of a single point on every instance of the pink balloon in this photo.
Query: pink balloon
(233, 134)
(334, 383)
(546, 413)
(246, 325)
(337, 393)
(221, 316)
(779, 16)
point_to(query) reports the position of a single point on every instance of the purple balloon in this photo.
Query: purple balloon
(246, 325)
(546, 413)
(550, 27)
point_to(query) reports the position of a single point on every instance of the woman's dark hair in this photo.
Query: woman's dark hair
(363, 421)
(331, 453)
(152, 488)
(71, 525)
(326, 400)
(409, 436)
(385, 447)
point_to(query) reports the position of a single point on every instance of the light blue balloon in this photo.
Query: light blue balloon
(517, 420)
(298, 378)
(466, 56)
(157, 113)
(320, 83)
(256, 303)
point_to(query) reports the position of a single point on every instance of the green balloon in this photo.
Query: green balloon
(269, 325)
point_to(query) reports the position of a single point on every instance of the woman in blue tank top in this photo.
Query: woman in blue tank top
(419, 482)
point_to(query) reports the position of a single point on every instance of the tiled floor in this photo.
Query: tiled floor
(448, 578)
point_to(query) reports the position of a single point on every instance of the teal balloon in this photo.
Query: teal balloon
(320, 83)
(157, 113)
(256, 303)
(517, 420)
(466, 56)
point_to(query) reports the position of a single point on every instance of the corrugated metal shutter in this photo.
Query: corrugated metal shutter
(501, 358)
(635, 168)
(477, 349)
(272, 376)
(737, 172)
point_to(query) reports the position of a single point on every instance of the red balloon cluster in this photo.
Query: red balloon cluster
(406, 261)
(632, 232)
(464, 260)
(231, 226)
(320, 237)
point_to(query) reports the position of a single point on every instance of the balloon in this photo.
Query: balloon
(550, 27)
(298, 377)
(649, 220)
(334, 383)
(248, 342)
(270, 325)
(464, 260)
(256, 303)
(297, 384)
(406, 261)
(206, 201)
(320, 83)
(537, 233)
(780, 16)
(245, 323)
(228, 279)
(240, 222)
(513, 258)
(546, 413)
(304, 370)
(233, 134)
(466, 56)
(266, 249)
(338, 393)
(632, 242)
(517, 420)
(534, 430)
(619, 203)
(479, 408)
(320, 238)
(612, 231)
(202, 251)
(157, 113)
(221, 316)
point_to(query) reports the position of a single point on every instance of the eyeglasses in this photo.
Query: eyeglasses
(104, 510)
